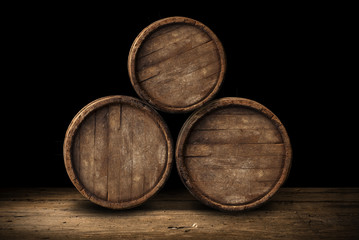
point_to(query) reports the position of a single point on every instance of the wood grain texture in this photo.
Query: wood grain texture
(293, 213)
(233, 154)
(118, 152)
(176, 64)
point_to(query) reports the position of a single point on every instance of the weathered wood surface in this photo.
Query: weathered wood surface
(233, 154)
(176, 64)
(293, 213)
(118, 152)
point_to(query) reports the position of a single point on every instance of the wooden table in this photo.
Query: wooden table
(293, 213)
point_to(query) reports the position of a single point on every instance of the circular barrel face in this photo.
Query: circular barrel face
(233, 154)
(176, 64)
(118, 152)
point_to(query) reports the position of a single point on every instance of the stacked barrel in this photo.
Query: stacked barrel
(232, 154)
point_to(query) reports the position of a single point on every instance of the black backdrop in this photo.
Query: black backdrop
(295, 60)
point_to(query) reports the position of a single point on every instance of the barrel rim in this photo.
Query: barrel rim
(75, 124)
(142, 36)
(199, 114)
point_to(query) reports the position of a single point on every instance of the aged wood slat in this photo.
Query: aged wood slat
(86, 158)
(139, 156)
(233, 154)
(176, 64)
(182, 48)
(118, 152)
(115, 146)
(150, 69)
(253, 121)
(234, 149)
(293, 213)
(227, 136)
(243, 162)
(101, 153)
(126, 154)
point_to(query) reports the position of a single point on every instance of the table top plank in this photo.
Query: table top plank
(293, 213)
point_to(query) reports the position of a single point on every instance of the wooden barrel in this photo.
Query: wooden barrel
(176, 64)
(118, 152)
(233, 154)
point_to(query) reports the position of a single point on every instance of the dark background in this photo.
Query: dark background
(295, 60)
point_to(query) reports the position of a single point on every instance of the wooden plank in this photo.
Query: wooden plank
(239, 162)
(182, 67)
(226, 136)
(328, 195)
(76, 153)
(234, 111)
(205, 65)
(101, 153)
(114, 152)
(139, 157)
(238, 178)
(174, 65)
(215, 121)
(125, 153)
(312, 213)
(86, 155)
(162, 48)
(243, 149)
(162, 90)
(168, 37)
(155, 150)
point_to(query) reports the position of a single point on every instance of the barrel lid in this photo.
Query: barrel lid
(233, 154)
(118, 152)
(176, 64)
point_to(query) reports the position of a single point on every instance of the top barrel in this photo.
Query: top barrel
(176, 64)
